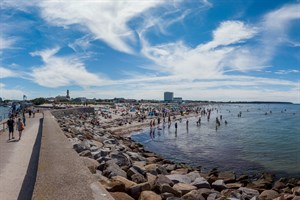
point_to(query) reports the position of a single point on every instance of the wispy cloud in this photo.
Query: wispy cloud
(4, 73)
(288, 71)
(205, 60)
(62, 71)
(106, 20)
(10, 93)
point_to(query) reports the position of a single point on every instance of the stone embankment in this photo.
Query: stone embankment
(130, 172)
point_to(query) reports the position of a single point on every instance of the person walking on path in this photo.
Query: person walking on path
(20, 127)
(10, 123)
(24, 118)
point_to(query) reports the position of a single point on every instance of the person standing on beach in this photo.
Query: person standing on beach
(176, 126)
(20, 127)
(10, 123)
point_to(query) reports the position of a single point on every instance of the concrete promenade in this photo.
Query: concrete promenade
(15, 157)
(43, 165)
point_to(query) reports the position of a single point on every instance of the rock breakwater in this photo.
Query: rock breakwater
(129, 172)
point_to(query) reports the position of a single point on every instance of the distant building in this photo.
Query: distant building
(168, 96)
(177, 99)
(68, 94)
(61, 98)
(80, 100)
(1, 99)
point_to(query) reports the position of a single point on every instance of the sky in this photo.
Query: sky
(218, 50)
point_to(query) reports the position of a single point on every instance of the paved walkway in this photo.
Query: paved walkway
(15, 157)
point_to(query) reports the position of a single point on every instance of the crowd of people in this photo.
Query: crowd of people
(17, 121)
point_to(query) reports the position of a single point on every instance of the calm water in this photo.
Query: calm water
(250, 144)
(4, 112)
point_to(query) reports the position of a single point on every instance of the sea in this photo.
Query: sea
(4, 112)
(266, 138)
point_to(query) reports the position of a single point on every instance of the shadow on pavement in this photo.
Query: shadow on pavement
(30, 177)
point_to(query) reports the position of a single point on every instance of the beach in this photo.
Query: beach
(129, 171)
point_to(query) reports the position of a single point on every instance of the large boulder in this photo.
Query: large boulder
(296, 191)
(112, 170)
(165, 188)
(228, 177)
(268, 195)
(91, 164)
(151, 179)
(162, 179)
(86, 153)
(80, 147)
(113, 185)
(122, 159)
(125, 181)
(219, 185)
(149, 195)
(193, 195)
(137, 189)
(121, 196)
(201, 183)
(135, 170)
(184, 188)
(248, 193)
(179, 178)
(138, 178)
(194, 175)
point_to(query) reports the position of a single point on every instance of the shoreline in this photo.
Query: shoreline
(122, 161)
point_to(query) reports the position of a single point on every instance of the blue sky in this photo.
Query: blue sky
(224, 50)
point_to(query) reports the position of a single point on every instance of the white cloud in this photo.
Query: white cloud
(6, 42)
(288, 71)
(205, 60)
(230, 32)
(4, 73)
(106, 20)
(62, 71)
(11, 93)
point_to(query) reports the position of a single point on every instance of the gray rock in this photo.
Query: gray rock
(102, 153)
(134, 170)
(162, 170)
(162, 179)
(165, 188)
(268, 195)
(179, 178)
(184, 187)
(138, 178)
(136, 190)
(248, 193)
(113, 169)
(90, 163)
(194, 175)
(219, 185)
(173, 198)
(86, 153)
(228, 177)
(149, 195)
(80, 147)
(213, 196)
(167, 195)
(111, 141)
(201, 183)
(136, 156)
(122, 159)
(193, 195)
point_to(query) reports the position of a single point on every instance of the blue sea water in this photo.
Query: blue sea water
(251, 144)
(4, 111)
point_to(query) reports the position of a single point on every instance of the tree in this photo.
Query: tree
(38, 101)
